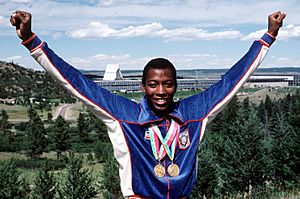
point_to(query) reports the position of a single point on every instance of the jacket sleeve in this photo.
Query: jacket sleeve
(210, 102)
(105, 105)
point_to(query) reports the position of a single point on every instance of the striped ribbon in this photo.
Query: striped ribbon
(170, 140)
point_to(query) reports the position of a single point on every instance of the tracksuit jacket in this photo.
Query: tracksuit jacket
(127, 121)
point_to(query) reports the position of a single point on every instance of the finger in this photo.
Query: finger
(21, 16)
(26, 15)
(12, 20)
(282, 16)
(275, 15)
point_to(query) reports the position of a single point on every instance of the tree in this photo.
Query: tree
(238, 152)
(36, 134)
(99, 127)
(49, 117)
(5, 129)
(247, 154)
(246, 105)
(79, 182)
(12, 186)
(110, 180)
(265, 111)
(60, 135)
(285, 153)
(5, 125)
(45, 185)
(82, 127)
(294, 118)
(227, 116)
(209, 178)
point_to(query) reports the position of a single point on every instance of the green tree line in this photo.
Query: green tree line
(251, 150)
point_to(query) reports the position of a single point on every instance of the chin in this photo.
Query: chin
(161, 110)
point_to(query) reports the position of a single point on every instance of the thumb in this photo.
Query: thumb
(282, 16)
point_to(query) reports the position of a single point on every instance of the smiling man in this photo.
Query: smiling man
(159, 83)
(155, 142)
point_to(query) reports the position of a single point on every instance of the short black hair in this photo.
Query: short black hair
(159, 63)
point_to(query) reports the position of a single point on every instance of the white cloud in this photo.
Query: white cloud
(181, 61)
(290, 31)
(172, 13)
(193, 61)
(21, 1)
(287, 32)
(275, 61)
(254, 35)
(53, 34)
(100, 30)
(14, 58)
(186, 34)
(200, 12)
(99, 61)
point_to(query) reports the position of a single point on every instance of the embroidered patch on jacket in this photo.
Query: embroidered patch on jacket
(184, 139)
(147, 136)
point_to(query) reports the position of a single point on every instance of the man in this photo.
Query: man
(155, 142)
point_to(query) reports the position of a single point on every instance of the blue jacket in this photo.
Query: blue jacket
(127, 121)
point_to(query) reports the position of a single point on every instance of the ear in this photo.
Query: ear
(142, 87)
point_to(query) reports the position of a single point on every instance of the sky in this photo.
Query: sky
(192, 34)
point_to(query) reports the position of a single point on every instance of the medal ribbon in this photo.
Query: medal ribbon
(170, 140)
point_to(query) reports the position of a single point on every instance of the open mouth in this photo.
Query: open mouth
(161, 101)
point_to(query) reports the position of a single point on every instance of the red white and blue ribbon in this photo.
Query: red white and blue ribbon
(169, 141)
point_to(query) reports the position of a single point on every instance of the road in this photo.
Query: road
(65, 111)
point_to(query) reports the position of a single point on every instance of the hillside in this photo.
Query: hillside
(19, 82)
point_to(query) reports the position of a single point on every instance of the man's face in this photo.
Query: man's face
(159, 89)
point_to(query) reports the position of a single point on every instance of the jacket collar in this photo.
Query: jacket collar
(147, 116)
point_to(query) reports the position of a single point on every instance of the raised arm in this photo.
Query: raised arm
(211, 101)
(101, 102)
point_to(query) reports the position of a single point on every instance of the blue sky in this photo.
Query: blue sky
(89, 34)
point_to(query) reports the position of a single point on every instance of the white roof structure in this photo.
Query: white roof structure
(112, 72)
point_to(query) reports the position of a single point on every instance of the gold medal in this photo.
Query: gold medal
(159, 170)
(173, 170)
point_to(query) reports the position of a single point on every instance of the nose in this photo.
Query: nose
(161, 89)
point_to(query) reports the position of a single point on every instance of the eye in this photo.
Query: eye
(152, 85)
(169, 84)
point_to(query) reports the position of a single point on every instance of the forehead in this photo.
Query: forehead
(159, 74)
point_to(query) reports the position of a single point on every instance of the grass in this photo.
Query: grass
(261, 94)
(15, 111)
(19, 113)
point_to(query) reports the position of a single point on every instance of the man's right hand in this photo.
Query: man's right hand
(22, 21)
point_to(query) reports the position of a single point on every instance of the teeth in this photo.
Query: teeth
(161, 100)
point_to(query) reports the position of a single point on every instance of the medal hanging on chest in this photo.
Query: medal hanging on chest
(168, 146)
(159, 170)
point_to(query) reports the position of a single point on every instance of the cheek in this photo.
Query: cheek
(171, 91)
(149, 91)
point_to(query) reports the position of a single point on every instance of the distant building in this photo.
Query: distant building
(273, 80)
(113, 80)
(112, 72)
(10, 101)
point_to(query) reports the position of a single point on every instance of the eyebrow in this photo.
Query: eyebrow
(154, 80)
